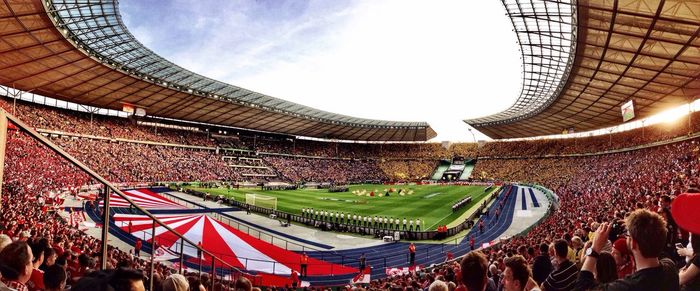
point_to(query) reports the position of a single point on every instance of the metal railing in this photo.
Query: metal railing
(216, 263)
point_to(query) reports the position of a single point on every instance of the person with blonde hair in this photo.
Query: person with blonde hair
(176, 282)
(438, 285)
(4, 241)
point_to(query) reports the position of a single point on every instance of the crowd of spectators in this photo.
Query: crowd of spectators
(33, 233)
(70, 121)
(407, 170)
(592, 144)
(250, 166)
(326, 170)
(602, 198)
(599, 190)
(133, 162)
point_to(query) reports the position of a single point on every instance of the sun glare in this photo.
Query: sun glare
(669, 116)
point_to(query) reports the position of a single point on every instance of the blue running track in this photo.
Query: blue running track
(534, 199)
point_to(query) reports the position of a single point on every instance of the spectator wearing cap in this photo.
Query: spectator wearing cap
(564, 277)
(15, 266)
(623, 258)
(647, 238)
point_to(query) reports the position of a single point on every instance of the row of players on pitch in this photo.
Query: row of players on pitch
(359, 220)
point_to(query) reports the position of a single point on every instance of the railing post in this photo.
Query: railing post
(213, 272)
(153, 253)
(182, 254)
(105, 227)
(199, 252)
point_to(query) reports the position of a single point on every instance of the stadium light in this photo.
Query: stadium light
(474, 137)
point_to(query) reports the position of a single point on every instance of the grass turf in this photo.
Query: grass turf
(431, 203)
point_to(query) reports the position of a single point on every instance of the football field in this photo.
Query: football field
(431, 203)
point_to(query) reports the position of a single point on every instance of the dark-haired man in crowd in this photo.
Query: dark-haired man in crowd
(121, 279)
(54, 278)
(646, 239)
(542, 265)
(473, 268)
(564, 277)
(517, 276)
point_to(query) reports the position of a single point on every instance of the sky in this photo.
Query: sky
(405, 60)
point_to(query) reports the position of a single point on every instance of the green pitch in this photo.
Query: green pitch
(431, 203)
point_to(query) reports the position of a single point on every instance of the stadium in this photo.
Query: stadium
(122, 170)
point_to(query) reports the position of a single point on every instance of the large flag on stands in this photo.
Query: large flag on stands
(232, 245)
(163, 254)
(362, 277)
(402, 271)
(144, 198)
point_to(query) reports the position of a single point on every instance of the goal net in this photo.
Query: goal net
(261, 200)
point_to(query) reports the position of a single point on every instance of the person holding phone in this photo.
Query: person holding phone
(689, 276)
(687, 251)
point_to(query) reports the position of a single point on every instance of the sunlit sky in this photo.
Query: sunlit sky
(434, 61)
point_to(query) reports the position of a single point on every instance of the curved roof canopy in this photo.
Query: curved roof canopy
(81, 51)
(641, 50)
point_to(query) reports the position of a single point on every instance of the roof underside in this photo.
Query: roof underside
(645, 51)
(80, 51)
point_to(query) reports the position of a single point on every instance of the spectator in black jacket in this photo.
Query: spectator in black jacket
(542, 265)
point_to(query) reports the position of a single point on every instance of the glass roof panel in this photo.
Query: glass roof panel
(97, 26)
(546, 33)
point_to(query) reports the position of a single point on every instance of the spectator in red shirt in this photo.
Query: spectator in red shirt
(295, 279)
(623, 258)
(137, 247)
(36, 282)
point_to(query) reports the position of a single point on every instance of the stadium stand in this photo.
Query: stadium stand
(593, 189)
(34, 178)
(614, 191)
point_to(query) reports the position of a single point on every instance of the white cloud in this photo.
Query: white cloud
(434, 61)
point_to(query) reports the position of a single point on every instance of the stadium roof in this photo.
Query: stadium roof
(81, 51)
(581, 62)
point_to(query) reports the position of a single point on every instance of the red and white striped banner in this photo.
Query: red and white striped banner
(401, 271)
